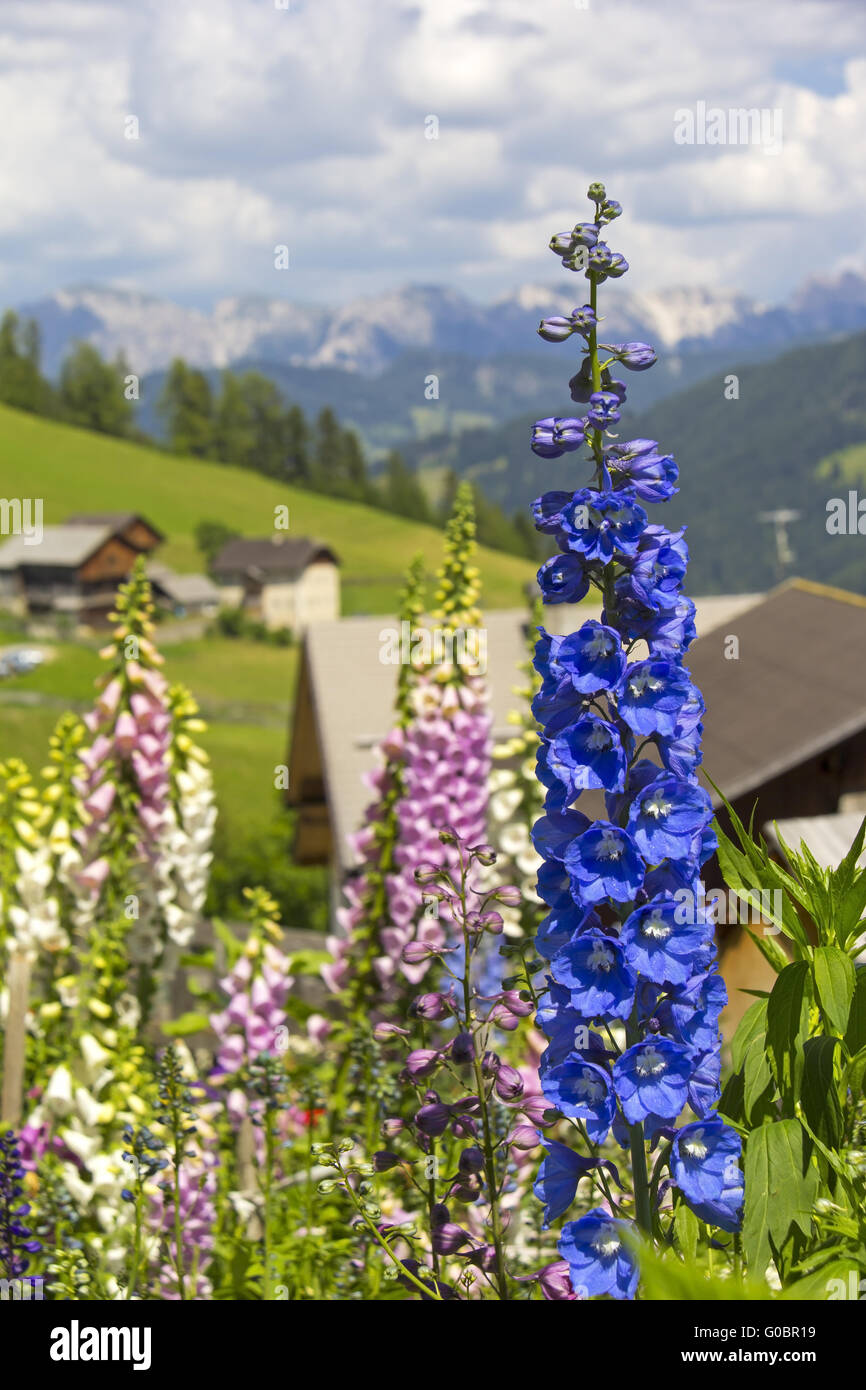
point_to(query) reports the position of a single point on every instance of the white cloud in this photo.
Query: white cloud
(306, 126)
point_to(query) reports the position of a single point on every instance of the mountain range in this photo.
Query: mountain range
(371, 358)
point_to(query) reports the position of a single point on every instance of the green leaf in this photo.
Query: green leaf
(855, 1034)
(780, 1185)
(834, 980)
(786, 1022)
(855, 1075)
(818, 1094)
(756, 1074)
(184, 1025)
(686, 1227)
(751, 1025)
(769, 949)
(732, 1101)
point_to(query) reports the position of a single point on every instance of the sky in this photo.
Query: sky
(307, 124)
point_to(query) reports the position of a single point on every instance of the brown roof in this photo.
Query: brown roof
(272, 556)
(117, 521)
(797, 687)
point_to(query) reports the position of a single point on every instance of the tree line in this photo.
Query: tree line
(245, 421)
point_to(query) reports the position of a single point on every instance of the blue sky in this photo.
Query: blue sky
(307, 126)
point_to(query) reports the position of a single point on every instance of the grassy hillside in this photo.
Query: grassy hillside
(788, 441)
(74, 470)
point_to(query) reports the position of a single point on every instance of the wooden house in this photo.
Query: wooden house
(282, 581)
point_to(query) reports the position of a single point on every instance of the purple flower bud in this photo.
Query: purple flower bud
(484, 921)
(471, 1160)
(580, 385)
(542, 439)
(555, 330)
(524, 1137)
(422, 1062)
(584, 234)
(416, 952)
(560, 244)
(568, 433)
(603, 409)
(490, 1063)
(509, 1083)
(384, 1160)
(466, 1189)
(462, 1127)
(636, 356)
(483, 1257)
(583, 320)
(462, 1049)
(485, 854)
(428, 873)
(429, 1006)
(555, 1283)
(449, 1238)
(389, 1030)
(432, 1120)
(393, 1126)
(466, 1105)
(507, 894)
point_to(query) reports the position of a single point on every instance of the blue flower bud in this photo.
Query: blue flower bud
(555, 330)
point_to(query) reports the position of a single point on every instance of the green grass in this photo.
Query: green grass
(74, 470)
(245, 689)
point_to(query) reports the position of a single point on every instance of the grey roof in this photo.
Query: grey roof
(353, 692)
(269, 556)
(116, 520)
(66, 546)
(797, 687)
(183, 588)
(828, 837)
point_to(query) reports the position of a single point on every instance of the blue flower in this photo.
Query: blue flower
(600, 1260)
(659, 947)
(651, 1078)
(594, 968)
(547, 510)
(604, 863)
(705, 1167)
(582, 1091)
(560, 1172)
(561, 926)
(603, 409)
(592, 658)
(652, 476)
(588, 755)
(665, 817)
(600, 525)
(551, 835)
(652, 696)
(563, 579)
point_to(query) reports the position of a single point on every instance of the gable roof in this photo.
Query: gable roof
(63, 546)
(797, 687)
(118, 521)
(183, 588)
(270, 556)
